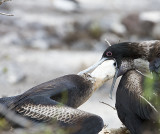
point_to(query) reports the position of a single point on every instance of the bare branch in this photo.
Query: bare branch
(109, 44)
(108, 105)
(148, 103)
(2, 1)
(6, 14)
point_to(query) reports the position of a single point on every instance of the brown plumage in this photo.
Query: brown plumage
(138, 114)
(58, 99)
(135, 113)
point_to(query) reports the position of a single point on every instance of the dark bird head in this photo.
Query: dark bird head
(125, 50)
(128, 52)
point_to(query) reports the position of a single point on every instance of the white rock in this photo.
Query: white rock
(11, 73)
(65, 5)
(40, 44)
(151, 16)
(118, 28)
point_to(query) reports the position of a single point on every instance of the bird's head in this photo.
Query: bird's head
(123, 51)
(126, 53)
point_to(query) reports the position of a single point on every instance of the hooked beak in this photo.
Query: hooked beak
(93, 66)
(113, 83)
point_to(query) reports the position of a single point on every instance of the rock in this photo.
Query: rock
(40, 44)
(118, 28)
(107, 24)
(137, 26)
(55, 43)
(83, 45)
(11, 72)
(156, 32)
(65, 31)
(150, 16)
(95, 30)
(66, 5)
(99, 46)
(105, 130)
(11, 39)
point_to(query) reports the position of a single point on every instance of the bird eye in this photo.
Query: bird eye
(115, 64)
(109, 53)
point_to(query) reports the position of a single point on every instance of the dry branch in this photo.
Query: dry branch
(108, 105)
(1, 2)
(6, 14)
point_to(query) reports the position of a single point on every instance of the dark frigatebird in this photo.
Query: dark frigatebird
(134, 108)
(126, 51)
(58, 99)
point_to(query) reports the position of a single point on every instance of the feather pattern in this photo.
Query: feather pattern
(48, 112)
(56, 101)
(132, 109)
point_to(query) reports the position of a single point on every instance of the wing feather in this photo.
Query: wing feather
(50, 110)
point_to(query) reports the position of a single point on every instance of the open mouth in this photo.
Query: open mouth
(104, 70)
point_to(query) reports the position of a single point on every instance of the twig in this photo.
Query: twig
(108, 105)
(109, 44)
(6, 14)
(148, 103)
(2, 1)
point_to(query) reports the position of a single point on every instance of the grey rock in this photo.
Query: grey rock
(95, 30)
(83, 45)
(40, 44)
(11, 39)
(156, 31)
(11, 72)
(65, 30)
(137, 26)
(66, 5)
(99, 46)
(55, 43)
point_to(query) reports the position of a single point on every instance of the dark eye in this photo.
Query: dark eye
(115, 64)
(109, 53)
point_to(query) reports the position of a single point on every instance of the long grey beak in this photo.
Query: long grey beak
(93, 66)
(113, 83)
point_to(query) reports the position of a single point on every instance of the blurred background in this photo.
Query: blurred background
(46, 39)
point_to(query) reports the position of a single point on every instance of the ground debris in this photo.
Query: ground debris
(2, 1)
(122, 130)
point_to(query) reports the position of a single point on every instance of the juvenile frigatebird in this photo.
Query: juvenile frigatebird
(135, 110)
(58, 99)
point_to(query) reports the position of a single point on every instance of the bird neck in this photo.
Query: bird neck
(139, 64)
(97, 80)
(142, 66)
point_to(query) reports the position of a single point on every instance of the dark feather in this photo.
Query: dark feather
(132, 110)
